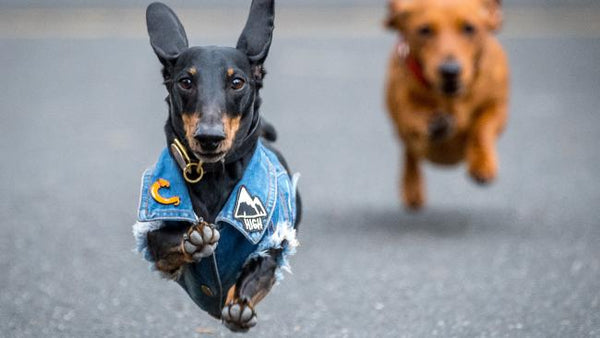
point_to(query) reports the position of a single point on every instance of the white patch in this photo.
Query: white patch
(287, 234)
(140, 232)
(250, 210)
(283, 238)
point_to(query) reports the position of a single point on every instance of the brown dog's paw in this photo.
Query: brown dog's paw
(414, 198)
(200, 241)
(414, 203)
(238, 316)
(483, 172)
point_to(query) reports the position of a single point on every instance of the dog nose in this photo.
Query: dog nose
(449, 70)
(209, 137)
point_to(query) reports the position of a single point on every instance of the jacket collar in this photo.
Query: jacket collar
(249, 208)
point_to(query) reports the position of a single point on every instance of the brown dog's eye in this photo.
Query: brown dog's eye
(425, 31)
(469, 29)
(237, 83)
(185, 84)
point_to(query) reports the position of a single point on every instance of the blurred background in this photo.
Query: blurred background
(82, 109)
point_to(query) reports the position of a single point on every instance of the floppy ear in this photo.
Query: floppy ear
(256, 36)
(494, 12)
(167, 35)
(395, 14)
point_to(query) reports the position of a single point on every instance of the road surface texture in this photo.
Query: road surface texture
(82, 114)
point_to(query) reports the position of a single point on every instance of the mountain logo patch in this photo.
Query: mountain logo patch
(250, 210)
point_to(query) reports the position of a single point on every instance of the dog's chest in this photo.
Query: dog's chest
(209, 199)
(260, 204)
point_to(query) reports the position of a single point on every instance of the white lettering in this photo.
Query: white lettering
(253, 224)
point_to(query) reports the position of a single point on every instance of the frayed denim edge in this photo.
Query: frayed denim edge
(283, 238)
(140, 231)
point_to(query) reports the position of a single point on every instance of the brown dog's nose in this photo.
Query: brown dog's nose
(209, 137)
(450, 70)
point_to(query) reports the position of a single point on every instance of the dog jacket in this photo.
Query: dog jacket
(259, 215)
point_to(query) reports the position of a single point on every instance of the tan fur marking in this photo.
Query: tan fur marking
(193, 71)
(253, 301)
(231, 127)
(230, 295)
(230, 72)
(171, 262)
(190, 123)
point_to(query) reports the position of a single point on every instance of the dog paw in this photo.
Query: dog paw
(200, 241)
(414, 202)
(238, 317)
(484, 172)
(413, 196)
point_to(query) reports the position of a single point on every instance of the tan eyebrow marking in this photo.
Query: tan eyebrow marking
(230, 72)
(193, 71)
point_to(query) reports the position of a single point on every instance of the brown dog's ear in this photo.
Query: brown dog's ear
(396, 11)
(494, 14)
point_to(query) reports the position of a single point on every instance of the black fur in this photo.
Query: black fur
(257, 277)
(211, 95)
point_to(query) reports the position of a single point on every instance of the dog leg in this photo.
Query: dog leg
(255, 282)
(172, 247)
(481, 145)
(413, 192)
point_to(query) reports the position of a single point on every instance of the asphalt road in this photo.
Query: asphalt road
(82, 113)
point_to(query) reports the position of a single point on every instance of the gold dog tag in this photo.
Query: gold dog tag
(162, 183)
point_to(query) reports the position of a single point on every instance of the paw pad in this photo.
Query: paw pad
(238, 317)
(200, 241)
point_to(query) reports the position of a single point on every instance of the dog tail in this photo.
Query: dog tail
(268, 132)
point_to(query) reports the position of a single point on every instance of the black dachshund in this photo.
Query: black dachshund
(218, 211)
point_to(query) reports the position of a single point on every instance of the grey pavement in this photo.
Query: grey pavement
(82, 113)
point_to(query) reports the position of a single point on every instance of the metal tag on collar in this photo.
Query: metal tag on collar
(189, 168)
(179, 153)
(402, 48)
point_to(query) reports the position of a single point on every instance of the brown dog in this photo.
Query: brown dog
(447, 87)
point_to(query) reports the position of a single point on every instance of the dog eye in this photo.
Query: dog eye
(468, 28)
(425, 31)
(237, 83)
(185, 83)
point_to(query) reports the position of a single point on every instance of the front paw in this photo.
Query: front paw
(200, 241)
(238, 317)
(413, 196)
(483, 170)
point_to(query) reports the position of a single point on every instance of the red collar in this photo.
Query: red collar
(413, 65)
(416, 69)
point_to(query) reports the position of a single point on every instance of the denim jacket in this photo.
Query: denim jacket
(259, 214)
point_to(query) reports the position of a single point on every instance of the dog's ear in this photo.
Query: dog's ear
(494, 14)
(396, 12)
(255, 39)
(166, 32)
